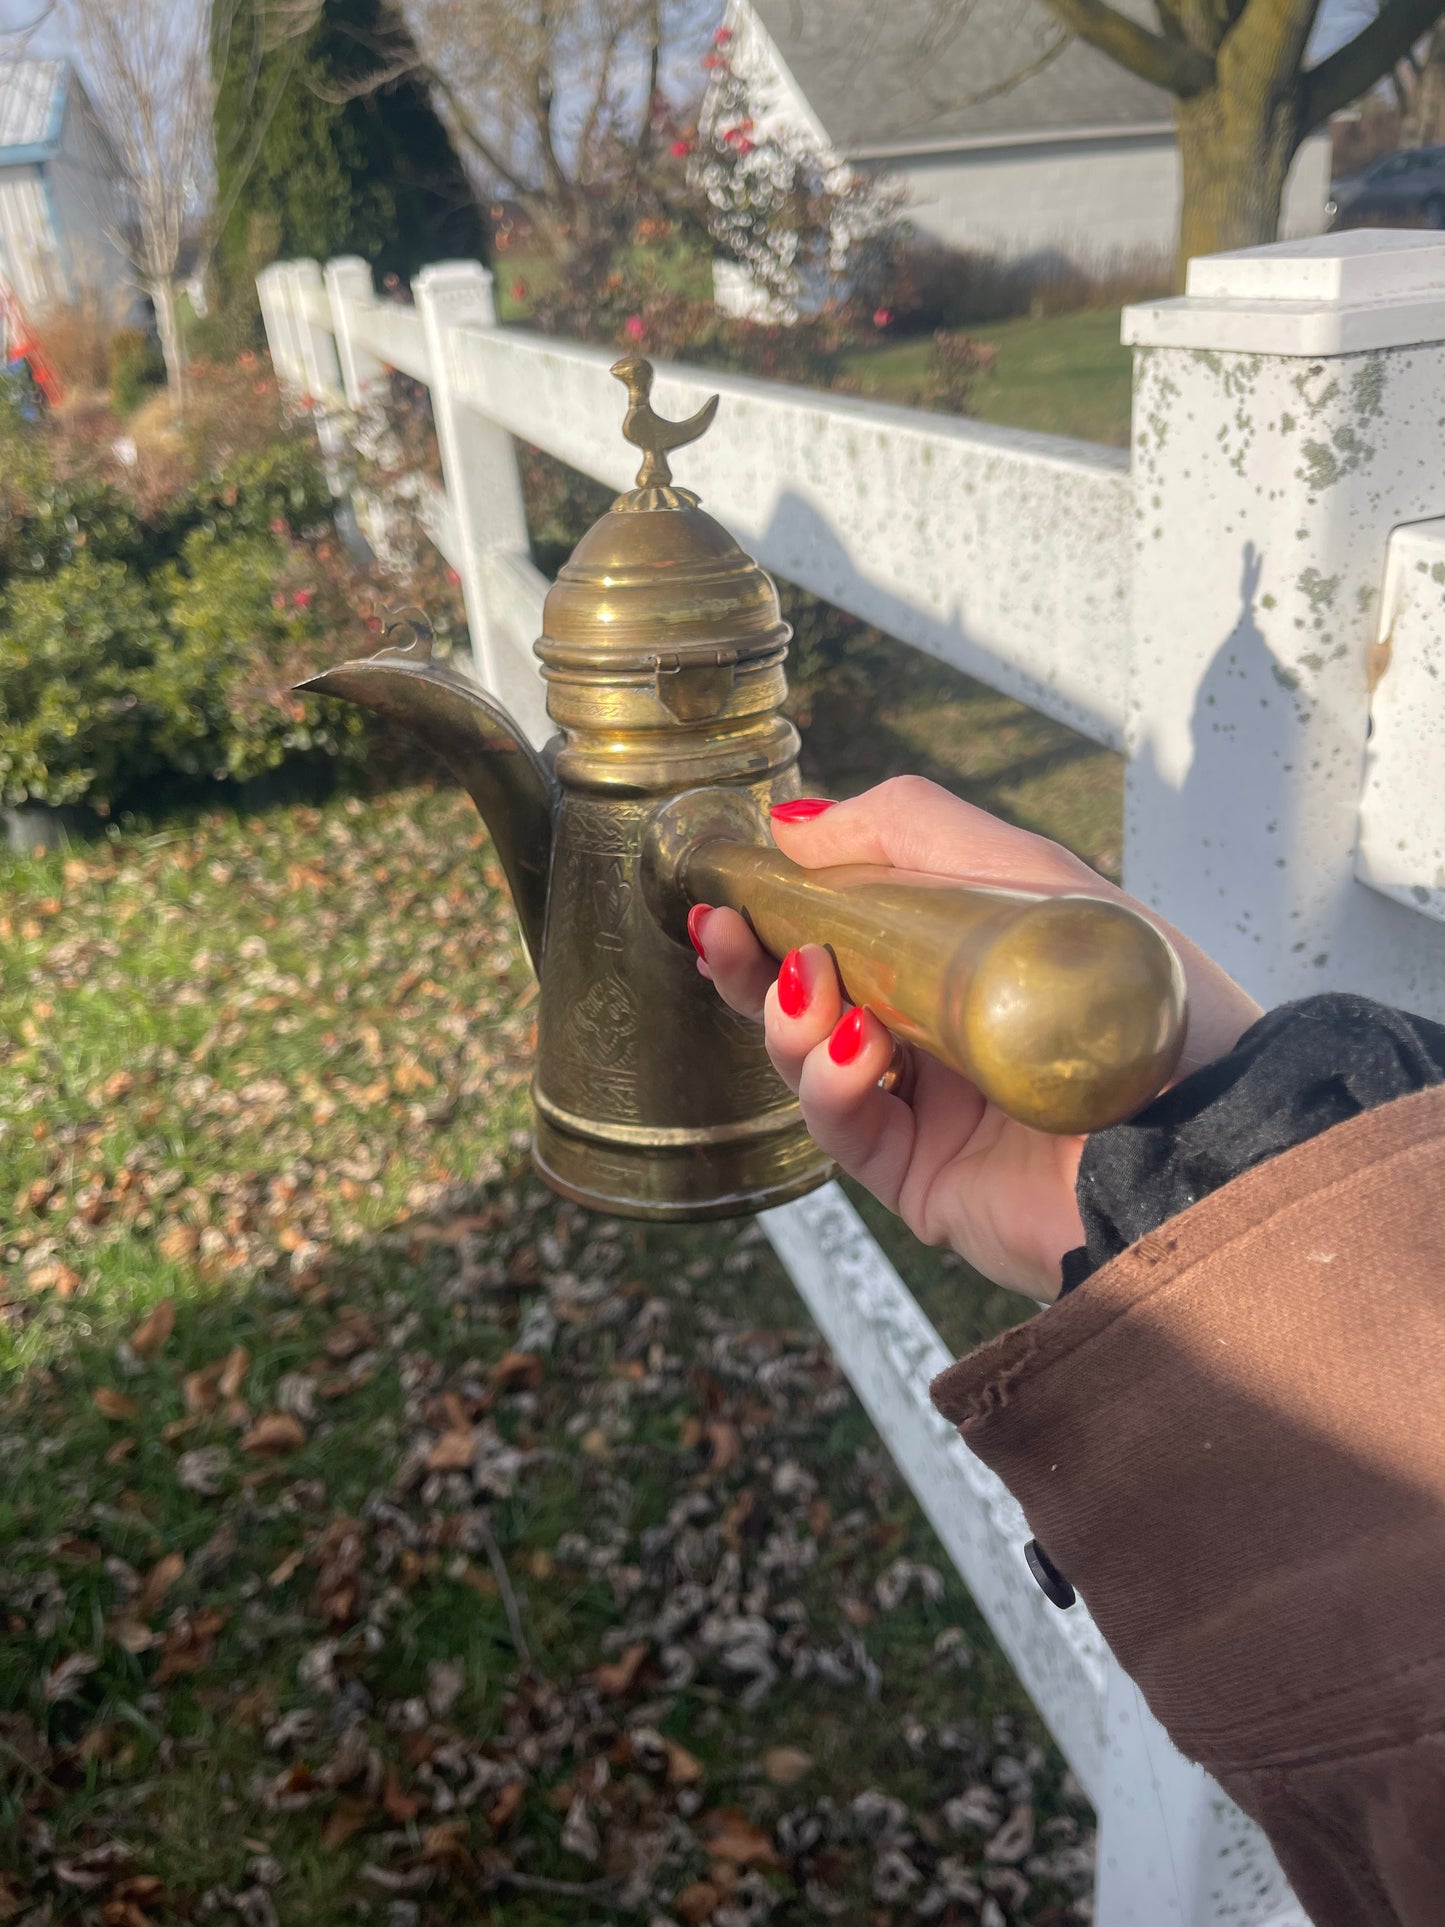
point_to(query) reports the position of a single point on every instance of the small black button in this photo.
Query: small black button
(1052, 1583)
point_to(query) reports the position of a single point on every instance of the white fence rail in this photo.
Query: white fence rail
(1251, 603)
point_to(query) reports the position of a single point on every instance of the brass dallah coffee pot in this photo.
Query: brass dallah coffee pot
(663, 649)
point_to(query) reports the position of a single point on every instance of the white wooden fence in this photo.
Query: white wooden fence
(1250, 604)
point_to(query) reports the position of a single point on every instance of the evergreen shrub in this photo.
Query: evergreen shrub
(75, 647)
(242, 630)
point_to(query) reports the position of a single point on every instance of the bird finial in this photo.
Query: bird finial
(648, 430)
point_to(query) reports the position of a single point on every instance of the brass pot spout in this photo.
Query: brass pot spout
(514, 791)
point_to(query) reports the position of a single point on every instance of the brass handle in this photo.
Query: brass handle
(1067, 1012)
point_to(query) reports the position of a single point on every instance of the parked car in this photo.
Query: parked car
(1402, 190)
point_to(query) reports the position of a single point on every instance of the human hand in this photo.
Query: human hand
(948, 1162)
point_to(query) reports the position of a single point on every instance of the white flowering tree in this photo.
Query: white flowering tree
(794, 216)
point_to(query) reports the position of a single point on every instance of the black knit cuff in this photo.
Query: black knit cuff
(1299, 1070)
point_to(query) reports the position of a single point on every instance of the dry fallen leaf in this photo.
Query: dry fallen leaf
(349, 1816)
(55, 1277)
(287, 1568)
(274, 1433)
(697, 1903)
(111, 1404)
(150, 1335)
(188, 1647)
(786, 1765)
(234, 1368)
(352, 1333)
(132, 1635)
(683, 1768)
(453, 1451)
(730, 1835)
(507, 1805)
(101, 1742)
(399, 1806)
(62, 1682)
(158, 1582)
(519, 1371)
(726, 1445)
(177, 1242)
(198, 1389)
(621, 1676)
(96, 1867)
(446, 1840)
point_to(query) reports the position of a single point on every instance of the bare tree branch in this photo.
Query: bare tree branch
(467, 127)
(14, 40)
(654, 69)
(953, 103)
(1356, 66)
(148, 71)
(1178, 68)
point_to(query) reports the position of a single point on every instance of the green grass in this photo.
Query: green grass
(886, 708)
(271, 1072)
(1063, 375)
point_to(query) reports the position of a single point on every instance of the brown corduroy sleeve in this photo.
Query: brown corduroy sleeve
(1232, 1440)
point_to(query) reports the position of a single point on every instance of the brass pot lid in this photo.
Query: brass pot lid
(656, 580)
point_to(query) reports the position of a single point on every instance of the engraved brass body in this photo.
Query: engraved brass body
(663, 649)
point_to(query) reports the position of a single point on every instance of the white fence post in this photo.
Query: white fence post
(482, 482)
(315, 369)
(320, 368)
(1286, 417)
(349, 288)
(1276, 444)
(273, 288)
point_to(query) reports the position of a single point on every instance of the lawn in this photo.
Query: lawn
(1062, 375)
(383, 1540)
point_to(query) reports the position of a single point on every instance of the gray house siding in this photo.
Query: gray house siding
(1094, 201)
(60, 202)
(87, 212)
(1004, 138)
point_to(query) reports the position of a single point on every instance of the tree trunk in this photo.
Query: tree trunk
(163, 300)
(1235, 148)
(1421, 123)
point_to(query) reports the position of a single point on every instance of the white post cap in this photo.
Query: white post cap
(1333, 294)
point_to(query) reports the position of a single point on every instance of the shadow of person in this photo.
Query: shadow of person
(1208, 815)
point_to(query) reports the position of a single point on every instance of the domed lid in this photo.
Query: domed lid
(656, 583)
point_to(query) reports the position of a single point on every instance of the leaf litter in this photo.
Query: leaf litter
(384, 1546)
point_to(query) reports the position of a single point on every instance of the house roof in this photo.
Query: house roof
(906, 76)
(32, 106)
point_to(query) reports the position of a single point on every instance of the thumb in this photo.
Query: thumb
(909, 823)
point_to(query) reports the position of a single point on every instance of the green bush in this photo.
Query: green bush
(137, 646)
(58, 521)
(281, 488)
(136, 367)
(241, 633)
(74, 650)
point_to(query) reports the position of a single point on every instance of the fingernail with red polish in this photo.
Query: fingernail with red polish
(847, 1039)
(793, 994)
(801, 810)
(694, 925)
